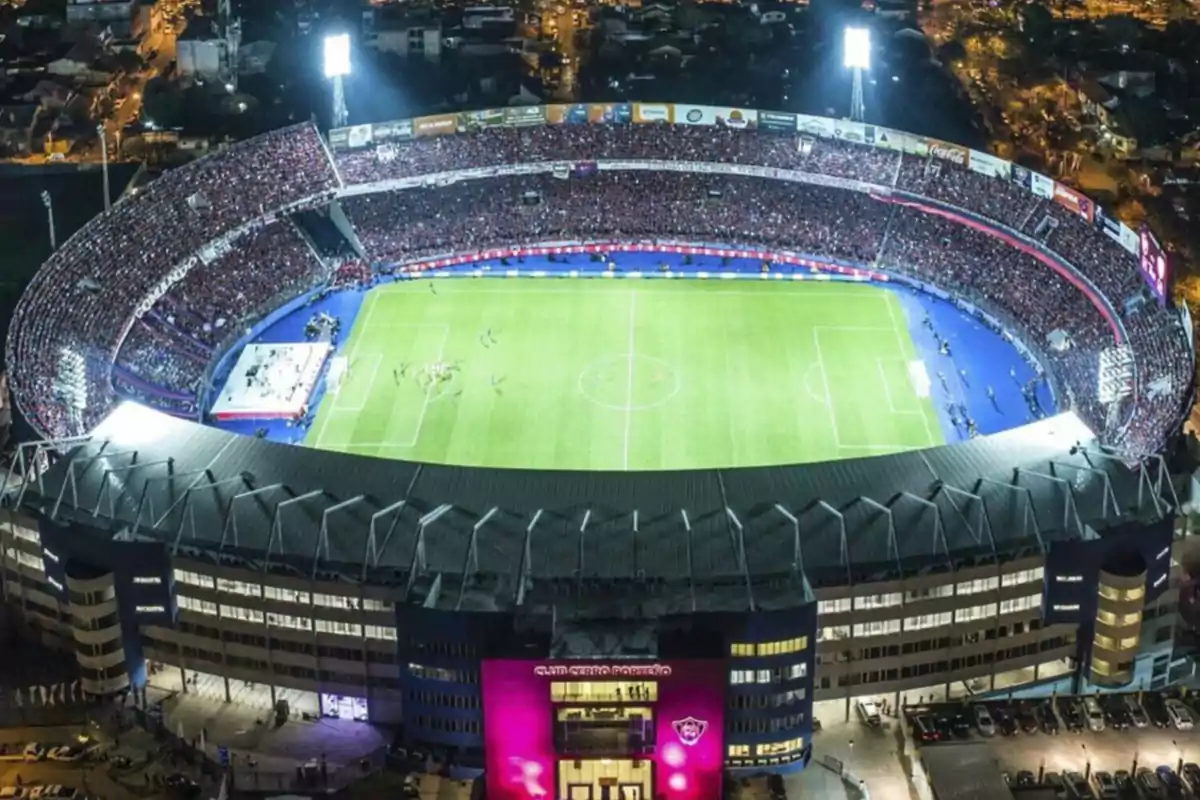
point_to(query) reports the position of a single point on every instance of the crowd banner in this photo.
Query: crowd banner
(653, 112)
(1073, 201)
(947, 151)
(815, 126)
(988, 164)
(436, 125)
(777, 122)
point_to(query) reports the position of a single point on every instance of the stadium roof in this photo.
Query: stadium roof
(490, 538)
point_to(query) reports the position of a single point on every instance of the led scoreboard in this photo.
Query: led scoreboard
(1154, 265)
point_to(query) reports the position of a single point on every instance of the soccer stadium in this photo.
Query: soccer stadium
(599, 445)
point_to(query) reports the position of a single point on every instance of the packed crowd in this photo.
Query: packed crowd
(171, 346)
(82, 300)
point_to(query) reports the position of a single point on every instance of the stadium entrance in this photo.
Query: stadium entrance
(603, 731)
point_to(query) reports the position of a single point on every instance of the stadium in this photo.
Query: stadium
(632, 431)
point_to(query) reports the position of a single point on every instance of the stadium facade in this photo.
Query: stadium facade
(572, 629)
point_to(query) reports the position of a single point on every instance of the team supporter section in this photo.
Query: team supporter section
(84, 296)
(488, 213)
(163, 360)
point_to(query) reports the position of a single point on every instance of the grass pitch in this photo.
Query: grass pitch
(628, 375)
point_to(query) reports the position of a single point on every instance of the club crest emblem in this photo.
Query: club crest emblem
(689, 730)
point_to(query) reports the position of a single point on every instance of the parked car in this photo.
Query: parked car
(1027, 718)
(34, 751)
(1116, 713)
(984, 721)
(1137, 714)
(1006, 723)
(1047, 718)
(1156, 710)
(1149, 784)
(1106, 786)
(66, 753)
(1124, 783)
(960, 726)
(1170, 781)
(52, 791)
(1180, 714)
(13, 793)
(1094, 714)
(1072, 714)
(1191, 776)
(1078, 786)
(925, 729)
(1025, 778)
(945, 728)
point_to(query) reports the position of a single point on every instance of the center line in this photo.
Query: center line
(629, 390)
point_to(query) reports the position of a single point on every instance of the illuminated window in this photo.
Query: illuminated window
(1101, 667)
(243, 614)
(282, 595)
(604, 691)
(26, 559)
(879, 628)
(926, 621)
(833, 632)
(26, 534)
(339, 628)
(1129, 643)
(194, 578)
(741, 650)
(1105, 642)
(779, 748)
(834, 606)
(739, 751)
(877, 601)
(796, 671)
(985, 611)
(1109, 593)
(1118, 621)
(239, 587)
(289, 621)
(929, 593)
(1022, 576)
(1018, 604)
(978, 585)
(380, 632)
(200, 606)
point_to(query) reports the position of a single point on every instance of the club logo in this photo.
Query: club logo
(695, 115)
(689, 730)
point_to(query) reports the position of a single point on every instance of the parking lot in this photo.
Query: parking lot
(1138, 745)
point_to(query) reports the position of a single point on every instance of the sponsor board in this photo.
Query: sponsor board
(1118, 231)
(525, 115)
(1073, 201)
(359, 136)
(815, 126)
(947, 151)
(850, 131)
(338, 138)
(695, 115)
(1041, 185)
(653, 112)
(914, 145)
(557, 114)
(478, 120)
(1128, 239)
(393, 131)
(988, 164)
(575, 114)
(885, 137)
(619, 113)
(777, 121)
(436, 125)
(740, 118)
(716, 115)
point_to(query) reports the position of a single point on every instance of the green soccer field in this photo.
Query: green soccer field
(628, 375)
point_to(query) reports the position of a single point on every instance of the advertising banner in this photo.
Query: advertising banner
(1118, 231)
(886, 137)
(1128, 239)
(988, 164)
(1073, 201)
(947, 151)
(478, 120)
(653, 112)
(777, 122)
(521, 116)
(523, 701)
(618, 113)
(575, 114)
(695, 115)
(1041, 185)
(359, 136)
(338, 138)
(741, 118)
(850, 131)
(815, 126)
(1022, 177)
(399, 130)
(436, 125)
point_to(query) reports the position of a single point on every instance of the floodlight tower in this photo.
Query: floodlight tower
(856, 56)
(337, 67)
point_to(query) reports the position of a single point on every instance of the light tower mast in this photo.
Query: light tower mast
(856, 56)
(337, 67)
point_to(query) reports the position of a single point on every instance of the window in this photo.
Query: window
(877, 601)
(380, 632)
(779, 748)
(336, 601)
(1128, 643)
(1105, 642)
(740, 676)
(929, 593)
(1101, 667)
(339, 628)
(739, 751)
(193, 578)
(923, 621)
(833, 606)
(26, 559)
(289, 621)
(975, 612)
(879, 628)
(200, 606)
(1018, 604)
(977, 586)
(796, 671)
(239, 587)
(26, 534)
(833, 632)
(764, 676)
(1022, 576)
(243, 614)
(282, 595)
(1118, 621)
(1109, 593)
(741, 650)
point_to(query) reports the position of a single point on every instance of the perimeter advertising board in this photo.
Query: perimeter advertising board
(653, 112)
(716, 115)
(618, 113)
(777, 122)
(521, 761)
(436, 125)
(988, 164)
(1118, 231)
(522, 116)
(1073, 201)
(947, 151)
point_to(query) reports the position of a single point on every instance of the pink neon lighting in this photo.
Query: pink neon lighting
(678, 782)
(673, 756)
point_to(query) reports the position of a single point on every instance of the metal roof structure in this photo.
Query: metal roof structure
(491, 539)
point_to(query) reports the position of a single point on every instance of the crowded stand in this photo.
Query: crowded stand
(85, 297)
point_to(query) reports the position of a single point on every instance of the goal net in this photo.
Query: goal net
(338, 367)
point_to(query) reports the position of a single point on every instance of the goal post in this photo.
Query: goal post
(339, 366)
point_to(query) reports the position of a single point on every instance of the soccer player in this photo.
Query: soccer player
(490, 337)
(963, 373)
(483, 340)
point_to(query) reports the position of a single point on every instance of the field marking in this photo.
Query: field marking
(825, 382)
(808, 384)
(377, 359)
(887, 389)
(429, 389)
(892, 299)
(773, 291)
(629, 389)
(374, 301)
(581, 384)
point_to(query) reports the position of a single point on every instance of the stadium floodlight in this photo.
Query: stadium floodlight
(337, 55)
(856, 55)
(856, 48)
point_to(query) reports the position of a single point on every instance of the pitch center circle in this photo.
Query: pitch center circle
(629, 382)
